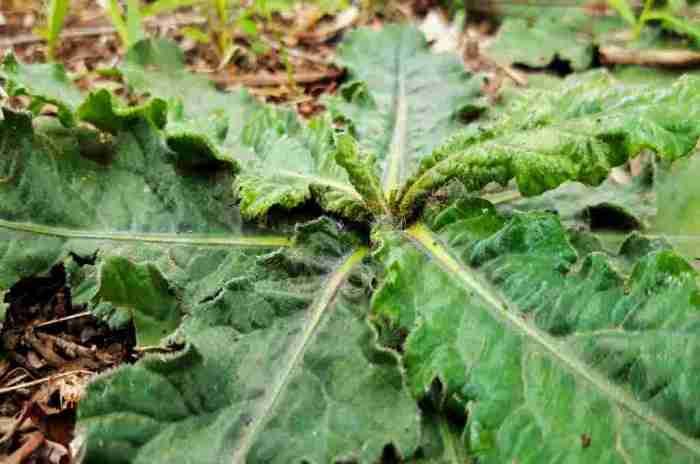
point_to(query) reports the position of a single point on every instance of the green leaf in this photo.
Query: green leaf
(678, 199)
(166, 6)
(555, 355)
(611, 206)
(538, 44)
(203, 123)
(133, 22)
(56, 15)
(115, 15)
(577, 132)
(552, 35)
(305, 169)
(125, 291)
(73, 191)
(263, 366)
(104, 111)
(401, 99)
(196, 34)
(48, 84)
(144, 237)
(44, 83)
(625, 11)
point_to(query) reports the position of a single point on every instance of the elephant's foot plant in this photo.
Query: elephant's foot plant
(412, 320)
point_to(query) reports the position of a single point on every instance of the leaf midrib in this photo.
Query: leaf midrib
(179, 239)
(397, 147)
(318, 310)
(501, 310)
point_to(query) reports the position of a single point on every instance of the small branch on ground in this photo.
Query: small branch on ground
(651, 57)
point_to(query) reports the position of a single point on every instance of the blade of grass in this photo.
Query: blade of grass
(115, 15)
(56, 16)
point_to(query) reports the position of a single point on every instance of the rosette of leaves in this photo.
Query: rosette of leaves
(452, 332)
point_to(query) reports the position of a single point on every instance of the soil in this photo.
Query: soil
(51, 349)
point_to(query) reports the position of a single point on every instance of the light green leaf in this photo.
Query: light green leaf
(539, 43)
(74, 191)
(679, 206)
(133, 22)
(104, 111)
(114, 12)
(625, 11)
(166, 6)
(56, 14)
(3, 307)
(48, 84)
(147, 239)
(263, 366)
(305, 169)
(235, 128)
(201, 118)
(401, 99)
(44, 83)
(611, 206)
(577, 132)
(124, 291)
(556, 356)
(362, 171)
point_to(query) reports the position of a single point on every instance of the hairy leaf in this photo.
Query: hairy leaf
(263, 367)
(578, 132)
(611, 206)
(556, 355)
(559, 35)
(124, 291)
(305, 168)
(679, 206)
(540, 43)
(48, 84)
(200, 117)
(73, 192)
(235, 128)
(401, 99)
(145, 238)
(45, 83)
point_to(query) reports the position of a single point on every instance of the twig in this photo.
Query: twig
(154, 349)
(277, 79)
(26, 39)
(502, 197)
(50, 378)
(19, 378)
(651, 57)
(63, 319)
(71, 349)
(34, 440)
(517, 77)
(52, 358)
(17, 423)
(294, 52)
